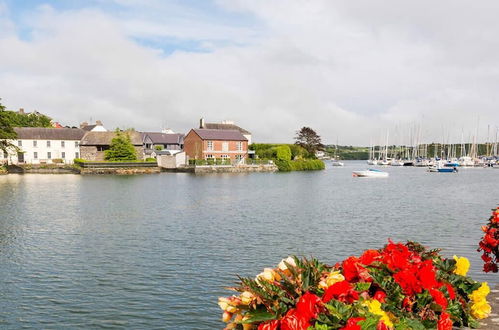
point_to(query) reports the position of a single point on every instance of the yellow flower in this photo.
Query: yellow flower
(334, 277)
(462, 266)
(226, 317)
(480, 309)
(268, 275)
(227, 304)
(374, 307)
(246, 297)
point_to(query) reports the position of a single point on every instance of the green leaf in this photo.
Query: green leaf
(259, 315)
(362, 286)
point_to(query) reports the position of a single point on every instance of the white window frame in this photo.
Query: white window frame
(63, 144)
(35, 155)
(225, 146)
(209, 145)
(239, 146)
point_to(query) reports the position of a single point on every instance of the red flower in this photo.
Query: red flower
(270, 325)
(408, 281)
(350, 269)
(308, 306)
(439, 298)
(381, 326)
(396, 256)
(352, 323)
(450, 290)
(369, 256)
(342, 291)
(444, 323)
(291, 321)
(426, 275)
(380, 296)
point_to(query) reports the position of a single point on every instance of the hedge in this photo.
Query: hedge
(300, 165)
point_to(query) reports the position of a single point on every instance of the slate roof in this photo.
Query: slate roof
(104, 138)
(45, 133)
(88, 128)
(163, 138)
(230, 127)
(219, 134)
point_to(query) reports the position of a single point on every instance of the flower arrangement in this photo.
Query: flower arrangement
(401, 286)
(490, 243)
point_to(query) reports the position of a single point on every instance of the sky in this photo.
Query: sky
(354, 71)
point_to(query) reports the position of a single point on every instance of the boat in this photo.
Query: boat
(370, 173)
(442, 167)
(395, 162)
(337, 163)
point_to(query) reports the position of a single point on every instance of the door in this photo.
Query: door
(20, 157)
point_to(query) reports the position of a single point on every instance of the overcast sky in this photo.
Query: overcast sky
(352, 70)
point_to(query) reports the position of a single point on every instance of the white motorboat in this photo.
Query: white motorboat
(337, 163)
(370, 173)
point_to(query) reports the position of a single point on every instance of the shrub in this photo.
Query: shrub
(158, 147)
(57, 161)
(79, 160)
(150, 159)
(300, 165)
(283, 152)
(121, 148)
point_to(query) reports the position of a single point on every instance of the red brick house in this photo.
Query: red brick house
(215, 143)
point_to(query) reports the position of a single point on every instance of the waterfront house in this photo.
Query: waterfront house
(41, 145)
(216, 143)
(226, 125)
(153, 141)
(97, 127)
(93, 144)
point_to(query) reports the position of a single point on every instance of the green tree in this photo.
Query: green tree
(121, 148)
(309, 139)
(6, 131)
(27, 120)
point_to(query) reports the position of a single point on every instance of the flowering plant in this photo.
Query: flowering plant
(401, 286)
(490, 243)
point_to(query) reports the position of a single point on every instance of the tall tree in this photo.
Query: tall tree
(7, 132)
(121, 148)
(309, 139)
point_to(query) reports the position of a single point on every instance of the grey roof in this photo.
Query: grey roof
(230, 127)
(219, 134)
(46, 133)
(88, 128)
(104, 138)
(163, 138)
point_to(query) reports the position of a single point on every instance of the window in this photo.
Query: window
(48, 144)
(239, 146)
(35, 143)
(49, 155)
(63, 144)
(63, 155)
(35, 155)
(77, 144)
(77, 155)
(210, 145)
(239, 157)
(19, 143)
(209, 157)
(224, 156)
(225, 146)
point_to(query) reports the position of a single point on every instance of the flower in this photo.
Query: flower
(308, 306)
(246, 297)
(270, 325)
(293, 321)
(350, 268)
(342, 291)
(450, 290)
(480, 309)
(289, 260)
(229, 304)
(444, 322)
(334, 277)
(374, 307)
(462, 266)
(380, 296)
(352, 323)
(439, 298)
(268, 275)
(226, 316)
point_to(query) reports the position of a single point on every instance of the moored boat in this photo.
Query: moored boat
(370, 173)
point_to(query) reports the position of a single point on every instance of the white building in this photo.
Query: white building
(97, 127)
(39, 145)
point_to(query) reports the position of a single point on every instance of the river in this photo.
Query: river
(156, 251)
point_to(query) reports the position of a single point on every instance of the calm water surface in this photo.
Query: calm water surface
(156, 251)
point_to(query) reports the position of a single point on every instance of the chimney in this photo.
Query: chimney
(201, 123)
(98, 123)
(21, 111)
(83, 124)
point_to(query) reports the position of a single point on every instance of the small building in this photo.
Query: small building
(153, 141)
(226, 125)
(97, 127)
(216, 144)
(93, 144)
(41, 145)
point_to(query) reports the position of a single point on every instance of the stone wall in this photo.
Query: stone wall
(121, 171)
(235, 169)
(90, 153)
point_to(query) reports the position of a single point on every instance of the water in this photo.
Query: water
(156, 251)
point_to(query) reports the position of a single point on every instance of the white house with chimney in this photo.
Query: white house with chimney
(40, 145)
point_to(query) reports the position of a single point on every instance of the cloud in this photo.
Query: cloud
(349, 70)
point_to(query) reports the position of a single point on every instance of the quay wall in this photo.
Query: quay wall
(204, 169)
(121, 170)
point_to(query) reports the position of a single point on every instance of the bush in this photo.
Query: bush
(158, 148)
(57, 161)
(300, 165)
(270, 151)
(150, 159)
(121, 148)
(79, 160)
(283, 152)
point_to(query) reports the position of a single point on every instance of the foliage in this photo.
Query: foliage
(158, 148)
(269, 151)
(16, 119)
(150, 159)
(400, 286)
(283, 153)
(309, 139)
(210, 161)
(6, 131)
(490, 243)
(300, 165)
(121, 148)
